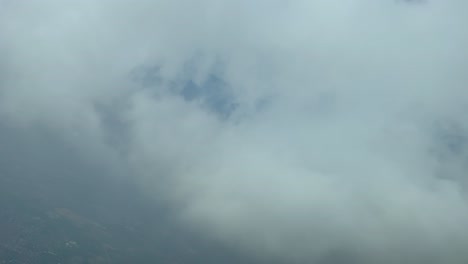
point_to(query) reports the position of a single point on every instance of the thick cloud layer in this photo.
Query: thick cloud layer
(312, 131)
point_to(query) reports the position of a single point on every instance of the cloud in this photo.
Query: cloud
(313, 131)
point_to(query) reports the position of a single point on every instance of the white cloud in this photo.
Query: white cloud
(329, 148)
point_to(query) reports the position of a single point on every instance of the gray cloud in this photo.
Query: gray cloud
(342, 130)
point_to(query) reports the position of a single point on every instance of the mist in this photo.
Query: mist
(303, 131)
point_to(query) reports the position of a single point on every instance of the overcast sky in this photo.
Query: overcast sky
(316, 131)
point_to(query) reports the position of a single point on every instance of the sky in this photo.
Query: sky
(316, 131)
